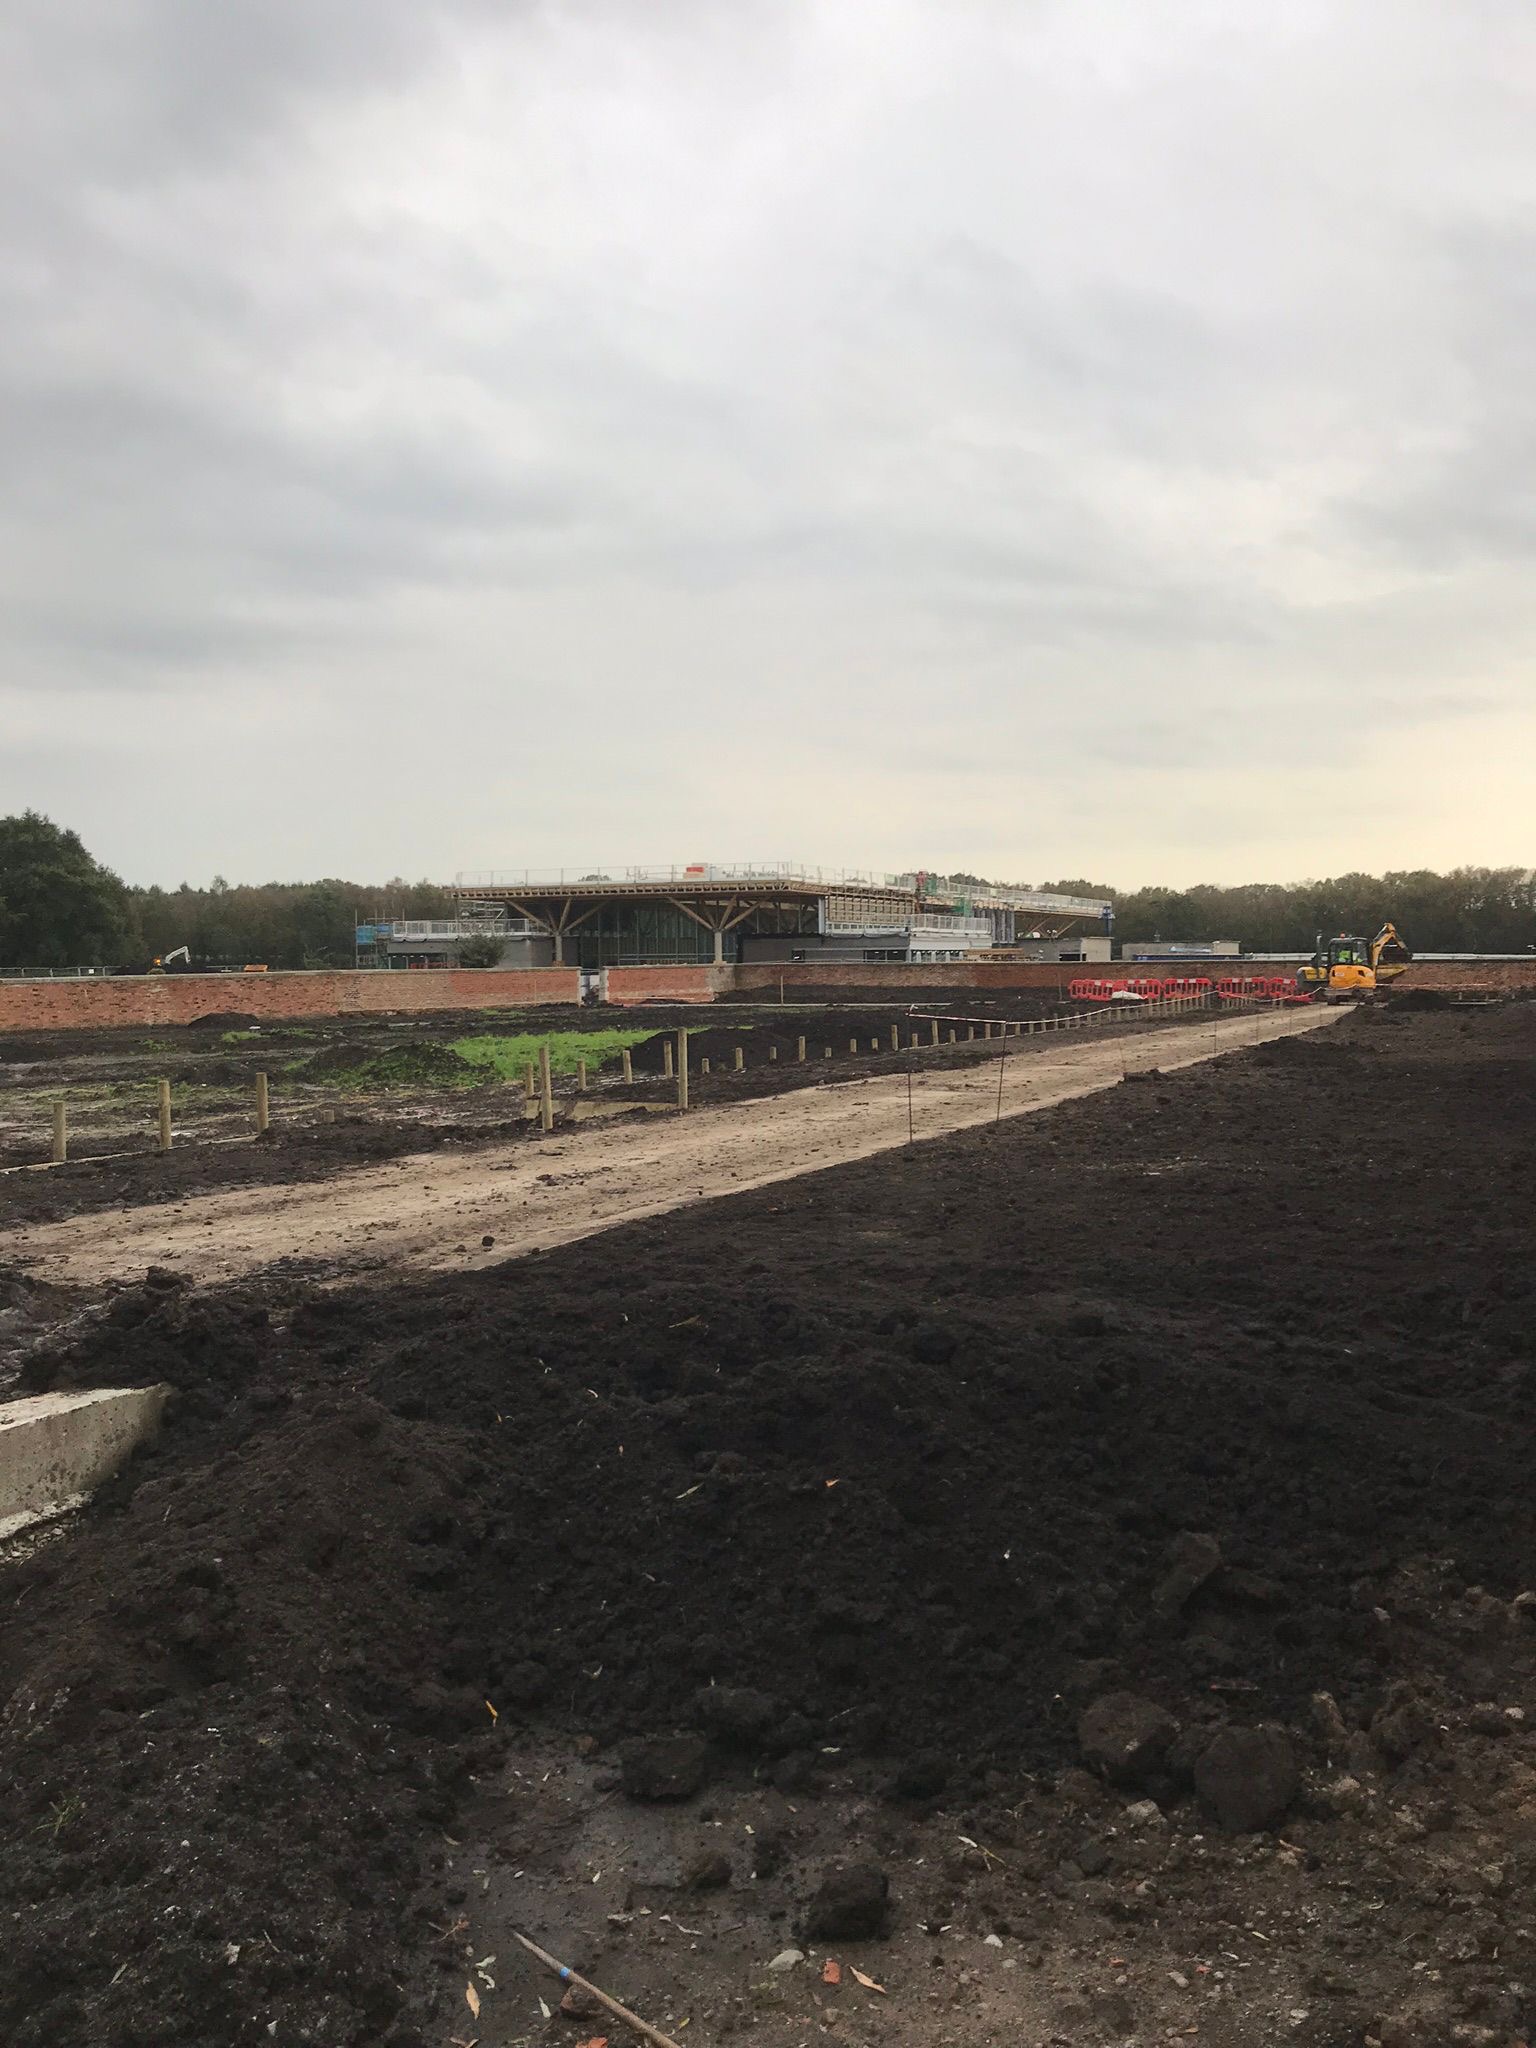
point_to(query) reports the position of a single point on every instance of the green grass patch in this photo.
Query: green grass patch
(507, 1057)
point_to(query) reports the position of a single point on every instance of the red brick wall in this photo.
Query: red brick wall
(667, 984)
(1040, 974)
(978, 974)
(181, 998)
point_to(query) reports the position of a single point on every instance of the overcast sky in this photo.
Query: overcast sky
(1087, 437)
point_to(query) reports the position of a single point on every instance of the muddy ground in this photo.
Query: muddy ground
(324, 1121)
(1213, 1391)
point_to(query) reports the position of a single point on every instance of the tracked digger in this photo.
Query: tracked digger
(1350, 970)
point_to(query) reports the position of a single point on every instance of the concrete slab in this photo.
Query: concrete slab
(56, 1449)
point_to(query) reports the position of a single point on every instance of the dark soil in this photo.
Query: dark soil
(910, 1452)
(770, 1038)
(964, 1002)
(434, 1105)
(287, 1153)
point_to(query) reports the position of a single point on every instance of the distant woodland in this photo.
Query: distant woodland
(60, 908)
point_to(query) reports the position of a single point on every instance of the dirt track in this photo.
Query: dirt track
(433, 1212)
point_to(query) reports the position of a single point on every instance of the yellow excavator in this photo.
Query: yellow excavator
(1350, 970)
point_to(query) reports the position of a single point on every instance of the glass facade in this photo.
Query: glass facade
(641, 934)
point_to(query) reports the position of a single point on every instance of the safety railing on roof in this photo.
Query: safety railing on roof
(697, 874)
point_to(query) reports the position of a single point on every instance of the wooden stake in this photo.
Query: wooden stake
(581, 1074)
(853, 1045)
(704, 1064)
(60, 1133)
(629, 1065)
(567, 1976)
(773, 1052)
(682, 1066)
(895, 1038)
(530, 1091)
(741, 1059)
(936, 1031)
(263, 1105)
(164, 1088)
(799, 1048)
(666, 1060)
(546, 1090)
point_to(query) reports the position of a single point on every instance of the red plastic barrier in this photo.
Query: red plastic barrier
(1152, 988)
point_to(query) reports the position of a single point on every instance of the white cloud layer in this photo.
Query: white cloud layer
(1063, 436)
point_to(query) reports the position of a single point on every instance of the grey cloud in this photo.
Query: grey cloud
(1148, 392)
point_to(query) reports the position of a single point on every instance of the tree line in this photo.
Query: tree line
(61, 908)
(1468, 910)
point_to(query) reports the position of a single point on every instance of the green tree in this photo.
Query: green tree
(58, 907)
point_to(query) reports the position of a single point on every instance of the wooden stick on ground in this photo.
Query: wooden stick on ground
(622, 2012)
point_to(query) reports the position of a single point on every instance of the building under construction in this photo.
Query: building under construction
(719, 912)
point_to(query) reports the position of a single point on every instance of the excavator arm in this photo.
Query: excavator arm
(1389, 953)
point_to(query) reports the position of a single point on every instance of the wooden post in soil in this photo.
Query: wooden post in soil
(704, 1064)
(581, 1076)
(530, 1089)
(164, 1090)
(263, 1104)
(681, 1064)
(935, 1030)
(741, 1059)
(629, 1065)
(799, 1048)
(60, 1151)
(546, 1090)
(666, 1060)
(853, 1045)
(895, 1038)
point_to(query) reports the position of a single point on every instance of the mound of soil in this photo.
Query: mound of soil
(219, 1073)
(1420, 999)
(918, 1456)
(417, 1063)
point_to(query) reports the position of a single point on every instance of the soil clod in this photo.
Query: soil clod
(1248, 1777)
(1125, 1738)
(851, 1902)
(664, 1766)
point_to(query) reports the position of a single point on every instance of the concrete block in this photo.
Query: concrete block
(56, 1449)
